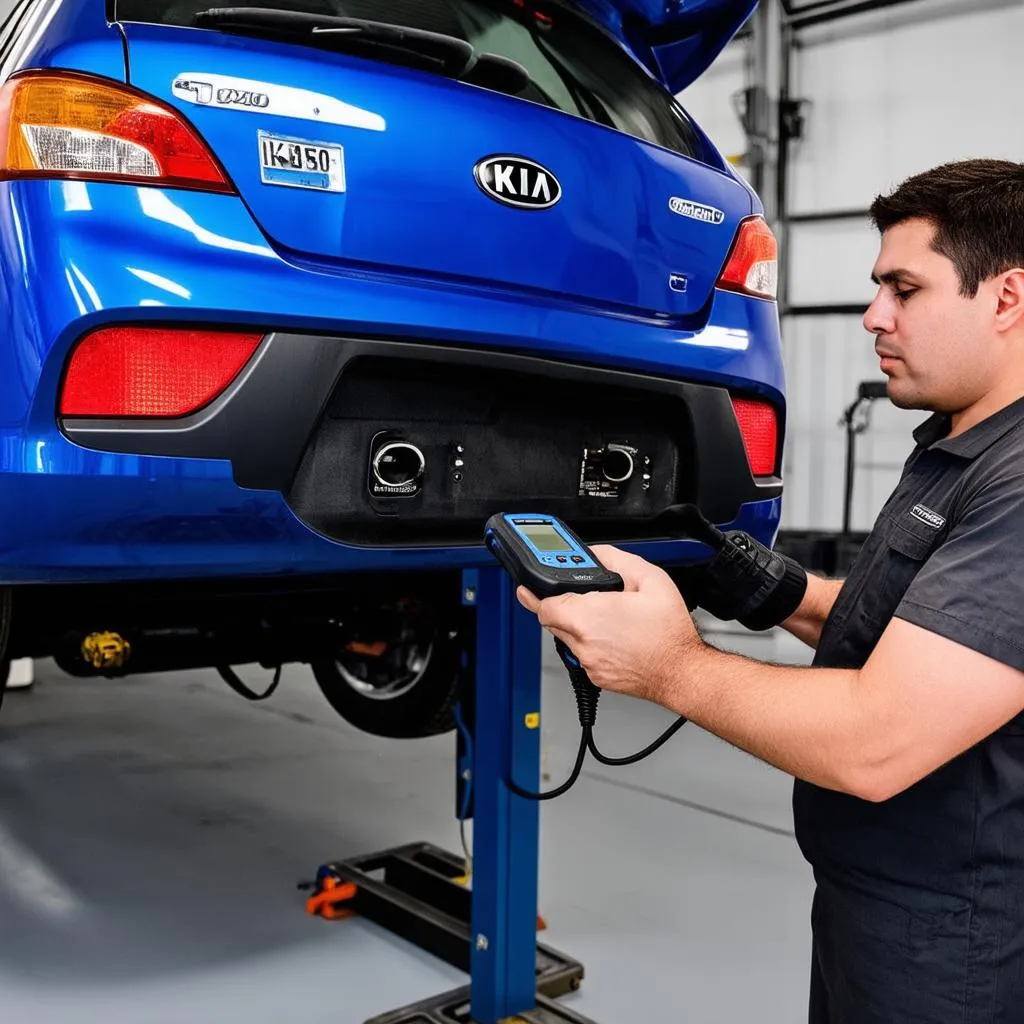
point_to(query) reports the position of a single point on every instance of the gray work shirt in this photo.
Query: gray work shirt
(919, 911)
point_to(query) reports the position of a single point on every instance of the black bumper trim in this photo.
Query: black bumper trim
(264, 421)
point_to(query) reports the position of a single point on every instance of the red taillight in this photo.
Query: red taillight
(753, 264)
(63, 124)
(759, 426)
(151, 371)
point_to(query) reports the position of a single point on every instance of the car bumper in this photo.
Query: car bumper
(173, 528)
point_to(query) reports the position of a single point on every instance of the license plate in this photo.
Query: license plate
(299, 163)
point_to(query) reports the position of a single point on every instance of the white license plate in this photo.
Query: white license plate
(299, 163)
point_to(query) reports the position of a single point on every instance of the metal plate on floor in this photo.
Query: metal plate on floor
(453, 1008)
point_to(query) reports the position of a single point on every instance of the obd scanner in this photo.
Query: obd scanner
(542, 554)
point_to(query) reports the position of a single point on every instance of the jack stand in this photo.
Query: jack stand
(491, 929)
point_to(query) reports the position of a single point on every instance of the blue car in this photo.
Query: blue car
(294, 295)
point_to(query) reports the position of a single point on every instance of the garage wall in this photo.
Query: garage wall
(709, 100)
(891, 94)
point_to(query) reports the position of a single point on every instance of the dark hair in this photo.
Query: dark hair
(977, 207)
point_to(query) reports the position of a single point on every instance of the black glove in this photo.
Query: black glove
(745, 580)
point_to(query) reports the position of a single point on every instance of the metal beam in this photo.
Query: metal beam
(506, 739)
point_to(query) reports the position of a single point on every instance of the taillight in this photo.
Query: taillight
(759, 426)
(59, 124)
(753, 264)
(151, 371)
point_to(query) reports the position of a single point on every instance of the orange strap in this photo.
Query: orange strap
(325, 902)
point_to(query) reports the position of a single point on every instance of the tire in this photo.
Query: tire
(6, 604)
(400, 675)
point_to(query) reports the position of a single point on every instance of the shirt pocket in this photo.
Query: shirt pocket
(908, 545)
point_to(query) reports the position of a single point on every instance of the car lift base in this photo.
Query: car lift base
(415, 892)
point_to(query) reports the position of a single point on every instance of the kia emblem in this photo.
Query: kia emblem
(516, 181)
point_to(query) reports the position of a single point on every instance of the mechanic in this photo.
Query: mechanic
(906, 735)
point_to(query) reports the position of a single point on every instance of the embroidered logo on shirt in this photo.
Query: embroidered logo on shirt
(928, 517)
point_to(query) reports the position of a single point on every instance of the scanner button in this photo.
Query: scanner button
(562, 558)
(578, 559)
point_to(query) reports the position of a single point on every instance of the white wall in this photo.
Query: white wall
(891, 94)
(709, 101)
(894, 94)
(826, 358)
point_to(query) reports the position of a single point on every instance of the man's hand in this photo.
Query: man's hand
(629, 642)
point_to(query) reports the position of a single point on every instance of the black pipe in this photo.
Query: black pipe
(835, 309)
(835, 10)
(868, 391)
(180, 649)
(800, 10)
(851, 441)
(828, 215)
(786, 43)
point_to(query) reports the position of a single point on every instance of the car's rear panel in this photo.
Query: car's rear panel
(411, 203)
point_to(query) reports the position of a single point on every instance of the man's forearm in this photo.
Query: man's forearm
(811, 723)
(807, 622)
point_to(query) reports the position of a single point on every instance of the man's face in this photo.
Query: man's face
(936, 347)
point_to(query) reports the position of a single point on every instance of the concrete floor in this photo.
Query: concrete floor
(153, 830)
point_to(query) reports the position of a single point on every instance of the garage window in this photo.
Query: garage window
(574, 66)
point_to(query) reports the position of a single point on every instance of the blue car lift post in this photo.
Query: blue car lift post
(491, 928)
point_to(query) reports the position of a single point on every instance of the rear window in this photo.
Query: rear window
(573, 65)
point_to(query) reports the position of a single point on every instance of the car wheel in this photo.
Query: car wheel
(6, 604)
(399, 675)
